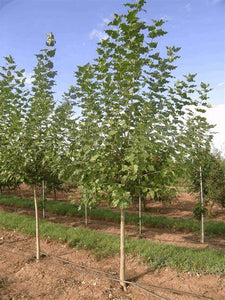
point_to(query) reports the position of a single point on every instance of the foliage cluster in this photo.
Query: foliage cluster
(199, 210)
(132, 130)
(213, 178)
(135, 117)
(32, 127)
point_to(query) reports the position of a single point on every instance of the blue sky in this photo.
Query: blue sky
(198, 26)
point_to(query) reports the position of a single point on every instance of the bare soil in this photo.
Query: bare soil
(21, 277)
(163, 235)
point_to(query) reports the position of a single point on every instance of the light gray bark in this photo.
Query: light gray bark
(202, 206)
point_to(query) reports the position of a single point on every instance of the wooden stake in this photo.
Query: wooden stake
(43, 198)
(37, 225)
(122, 250)
(86, 214)
(140, 224)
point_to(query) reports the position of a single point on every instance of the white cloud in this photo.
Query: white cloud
(164, 17)
(188, 7)
(105, 21)
(218, 1)
(95, 33)
(221, 83)
(216, 115)
(29, 78)
(99, 33)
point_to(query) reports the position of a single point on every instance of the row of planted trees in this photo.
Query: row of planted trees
(137, 125)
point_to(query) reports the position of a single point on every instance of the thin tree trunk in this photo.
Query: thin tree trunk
(122, 250)
(144, 204)
(43, 198)
(37, 225)
(202, 206)
(140, 212)
(211, 208)
(55, 195)
(86, 214)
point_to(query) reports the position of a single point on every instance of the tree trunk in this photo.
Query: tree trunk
(202, 206)
(37, 225)
(144, 204)
(140, 223)
(55, 195)
(86, 214)
(211, 205)
(43, 198)
(122, 250)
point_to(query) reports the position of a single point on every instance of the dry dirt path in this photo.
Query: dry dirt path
(167, 236)
(21, 277)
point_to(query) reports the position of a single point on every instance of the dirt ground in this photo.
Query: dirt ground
(21, 277)
(163, 235)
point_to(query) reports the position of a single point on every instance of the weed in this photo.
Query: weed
(3, 283)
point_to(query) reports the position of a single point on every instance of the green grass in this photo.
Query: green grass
(154, 221)
(156, 255)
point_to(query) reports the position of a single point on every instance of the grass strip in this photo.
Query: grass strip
(154, 221)
(156, 255)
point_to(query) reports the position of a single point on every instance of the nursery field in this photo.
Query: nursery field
(171, 223)
(181, 207)
(157, 228)
(169, 255)
(94, 181)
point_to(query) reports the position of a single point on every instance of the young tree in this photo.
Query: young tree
(63, 134)
(132, 112)
(35, 141)
(215, 181)
(198, 143)
(86, 139)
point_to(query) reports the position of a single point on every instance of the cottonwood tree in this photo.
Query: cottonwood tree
(133, 112)
(35, 140)
(13, 104)
(86, 139)
(197, 159)
(214, 181)
(63, 133)
(213, 178)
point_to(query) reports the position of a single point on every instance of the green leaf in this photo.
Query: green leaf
(152, 194)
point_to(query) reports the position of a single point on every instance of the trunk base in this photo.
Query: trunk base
(123, 286)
